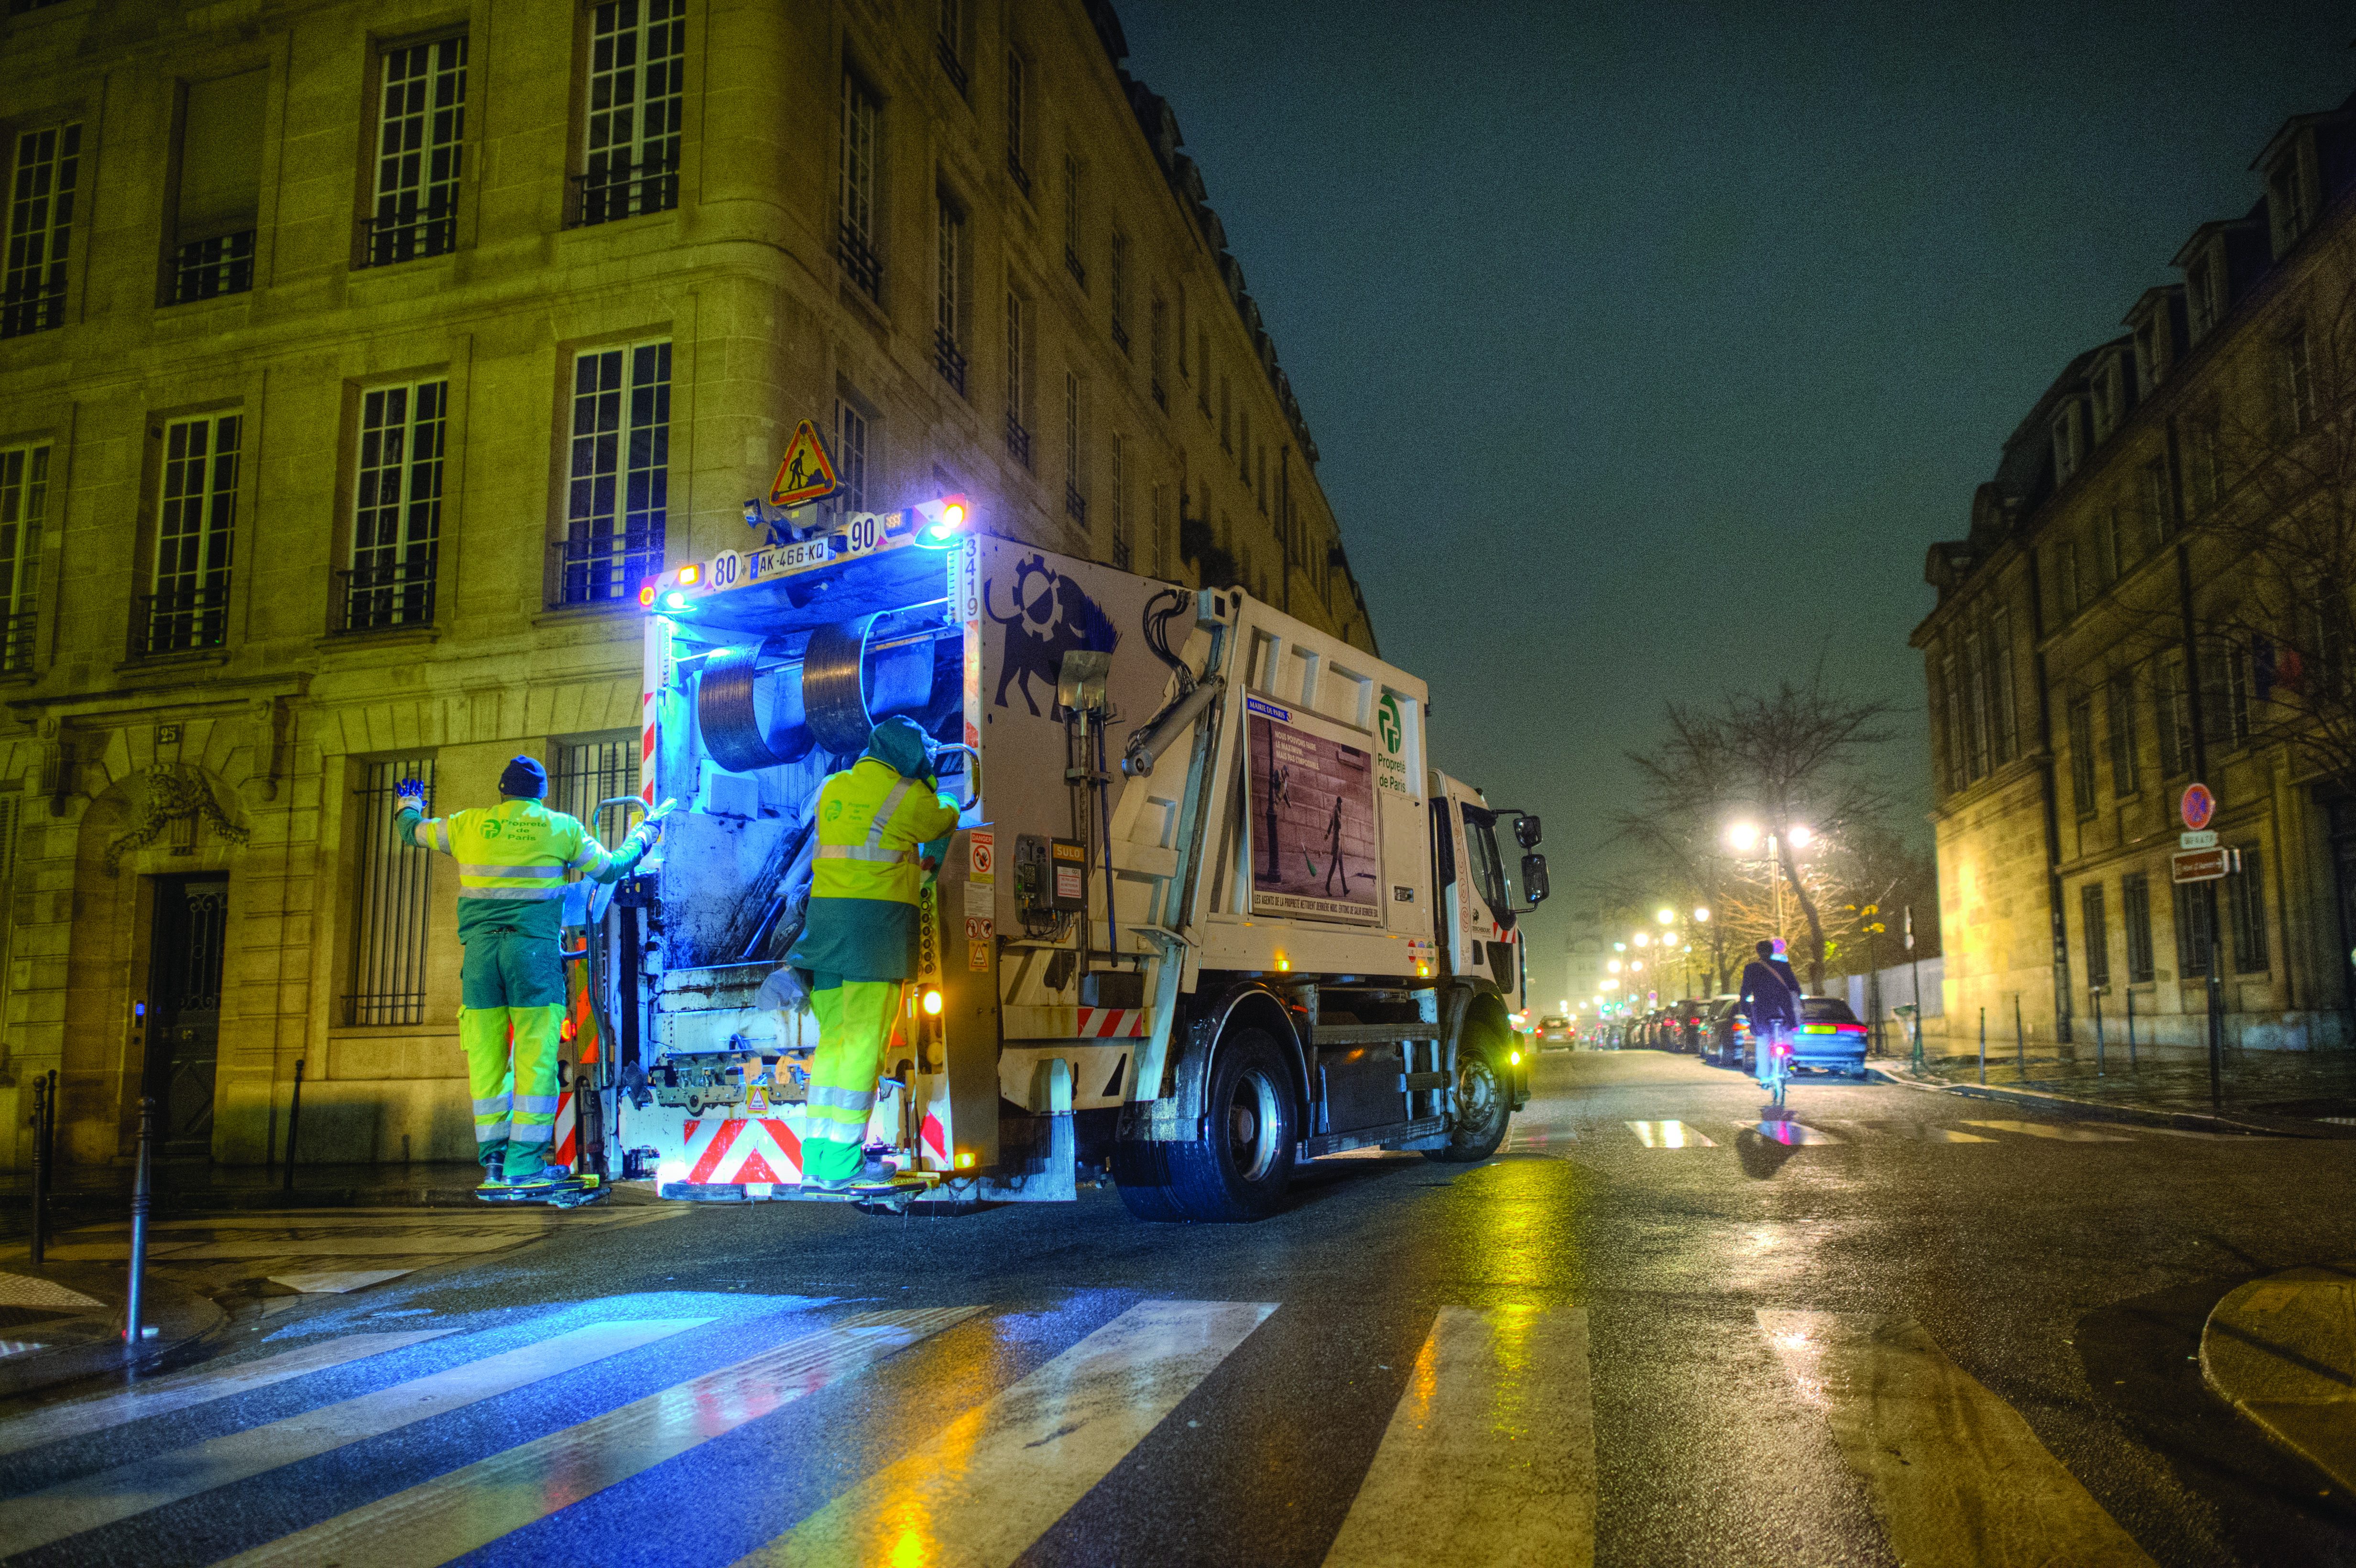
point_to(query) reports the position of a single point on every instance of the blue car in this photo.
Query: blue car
(1829, 1039)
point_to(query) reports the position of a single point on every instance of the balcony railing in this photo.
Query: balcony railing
(1160, 396)
(604, 569)
(1120, 336)
(949, 360)
(16, 643)
(34, 306)
(950, 64)
(1073, 265)
(1018, 439)
(180, 620)
(859, 259)
(623, 190)
(206, 269)
(1076, 505)
(1015, 167)
(391, 238)
(381, 596)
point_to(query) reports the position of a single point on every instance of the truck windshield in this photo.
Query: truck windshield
(1488, 870)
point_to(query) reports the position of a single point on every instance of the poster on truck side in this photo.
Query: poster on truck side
(1315, 853)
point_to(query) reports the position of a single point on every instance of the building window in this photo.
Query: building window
(2234, 720)
(2156, 499)
(24, 508)
(618, 476)
(2096, 933)
(2134, 921)
(850, 460)
(2172, 712)
(1157, 322)
(2003, 730)
(2196, 928)
(855, 219)
(1017, 91)
(637, 96)
(2204, 294)
(2065, 578)
(1120, 291)
(1976, 714)
(948, 42)
(2119, 717)
(1018, 433)
(2082, 757)
(1226, 413)
(1121, 552)
(1075, 500)
(421, 150)
(2066, 444)
(588, 772)
(396, 506)
(2298, 377)
(2246, 892)
(1959, 769)
(216, 207)
(1072, 262)
(195, 532)
(393, 912)
(40, 230)
(948, 296)
(1201, 369)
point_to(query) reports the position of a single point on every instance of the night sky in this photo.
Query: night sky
(1648, 347)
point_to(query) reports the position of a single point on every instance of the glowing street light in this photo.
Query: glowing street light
(1666, 916)
(1613, 965)
(1701, 912)
(1742, 836)
(1800, 836)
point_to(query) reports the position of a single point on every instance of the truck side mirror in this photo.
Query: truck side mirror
(1526, 832)
(1534, 880)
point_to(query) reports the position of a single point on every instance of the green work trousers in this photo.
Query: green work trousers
(854, 1029)
(511, 984)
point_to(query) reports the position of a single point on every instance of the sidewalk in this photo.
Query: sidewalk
(2282, 1351)
(80, 1194)
(2309, 1093)
(63, 1321)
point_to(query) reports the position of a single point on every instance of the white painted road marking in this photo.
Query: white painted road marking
(2061, 1132)
(70, 1508)
(1955, 1474)
(201, 1387)
(1793, 1134)
(1001, 1474)
(1490, 1456)
(468, 1509)
(1668, 1135)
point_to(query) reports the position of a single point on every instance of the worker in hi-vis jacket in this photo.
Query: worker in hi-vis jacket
(511, 863)
(882, 827)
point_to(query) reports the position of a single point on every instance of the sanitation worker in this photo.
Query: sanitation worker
(882, 827)
(511, 863)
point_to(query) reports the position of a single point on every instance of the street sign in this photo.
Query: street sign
(2197, 840)
(2198, 805)
(2202, 865)
(807, 473)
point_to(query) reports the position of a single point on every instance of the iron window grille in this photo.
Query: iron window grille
(24, 506)
(206, 269)
(948, 41)
(588, 772)
(2135, 917)
(1072, 265)
(40, 231)
(850, 460)
(1018, 439)
(2082, 758)
(637, 92)
(421, 151)
(382, 598)
(392, 916)
(618, 493)
(185, 619)
(950, 262)
(1076, 505)
(396, 508)
(1015, 93)
(858, 259)
(2196, 925)
(953, 68)
(2096, 933)
(949, 361)
(2245, 895)
(195, 533)
(855, 188)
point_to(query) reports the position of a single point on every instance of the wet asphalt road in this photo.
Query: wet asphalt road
(2068, 1277)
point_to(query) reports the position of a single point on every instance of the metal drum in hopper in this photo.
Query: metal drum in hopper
(748, 707)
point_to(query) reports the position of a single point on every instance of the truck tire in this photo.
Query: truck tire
(1484, 1107)
(1240, 1168)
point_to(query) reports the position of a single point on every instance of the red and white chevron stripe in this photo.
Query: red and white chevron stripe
(1112, 1023)
(739, 1149)
(567, 1146)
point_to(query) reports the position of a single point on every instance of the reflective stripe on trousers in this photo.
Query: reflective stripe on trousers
(855, 1022)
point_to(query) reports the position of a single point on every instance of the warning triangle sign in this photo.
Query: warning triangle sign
(807, 473)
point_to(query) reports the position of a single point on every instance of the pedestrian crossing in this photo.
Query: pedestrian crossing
(1564, 1139)
(1489, 1454)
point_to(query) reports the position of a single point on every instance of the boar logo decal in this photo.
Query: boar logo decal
(1052, 616)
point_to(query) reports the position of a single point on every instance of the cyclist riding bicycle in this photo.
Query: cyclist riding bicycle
(1771, 1003)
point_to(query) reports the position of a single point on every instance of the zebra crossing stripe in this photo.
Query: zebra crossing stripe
(2059, 1132)
(87, 1502)
(1955, 1474)
(201, 1387)
(468, 1509)
(1490, 1456)
(998, 1476)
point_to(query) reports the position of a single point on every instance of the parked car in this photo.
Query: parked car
(1685, 1024)
(1556, 1029)
(1829, 1039)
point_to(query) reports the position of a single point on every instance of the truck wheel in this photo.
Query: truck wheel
(1142, 1172)
(1483, 1107)
(1240, 1167)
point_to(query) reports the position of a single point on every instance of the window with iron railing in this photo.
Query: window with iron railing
(850, 460)
(1018, 436)
(206, 269)
(2135, 923)
(949, 293)
(1016, 126)
(40, 230)
(420, 154)
(948, 42)
(194, 535)
(396, 507)
(1072, 262)
(216, 207)
(392, 903)
(636, 101)
(855, 214)
(618, 475)
(949, 361)
(1018, 439)
(588, 771)
(1076, 503)
(24, 506)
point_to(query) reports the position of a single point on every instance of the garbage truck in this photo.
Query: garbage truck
(1209, 912)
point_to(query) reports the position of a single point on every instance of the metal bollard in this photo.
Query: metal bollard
(41, 1166)
(2019, 1043)
(2131, 1054)
(2097, 993)
(142, 1200)
(294, 1114)
(1982, 1045)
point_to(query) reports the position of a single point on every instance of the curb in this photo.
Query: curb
(2100, 1110)
(178, 1315)
(2282, 1351)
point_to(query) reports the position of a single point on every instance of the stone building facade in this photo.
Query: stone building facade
(356, 361)
(2096, 648)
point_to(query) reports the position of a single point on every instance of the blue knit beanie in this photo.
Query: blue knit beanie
(525, 779)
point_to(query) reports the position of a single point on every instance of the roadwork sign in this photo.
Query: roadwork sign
(2204, 865)
(807, 473)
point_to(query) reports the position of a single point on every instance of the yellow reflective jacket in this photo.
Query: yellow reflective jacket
(866, 881)
(512, 860)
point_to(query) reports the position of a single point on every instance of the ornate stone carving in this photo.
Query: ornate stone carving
(174, 795)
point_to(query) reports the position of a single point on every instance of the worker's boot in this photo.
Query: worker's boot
(494, 1187)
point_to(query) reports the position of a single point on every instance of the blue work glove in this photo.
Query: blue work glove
(409, 795)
